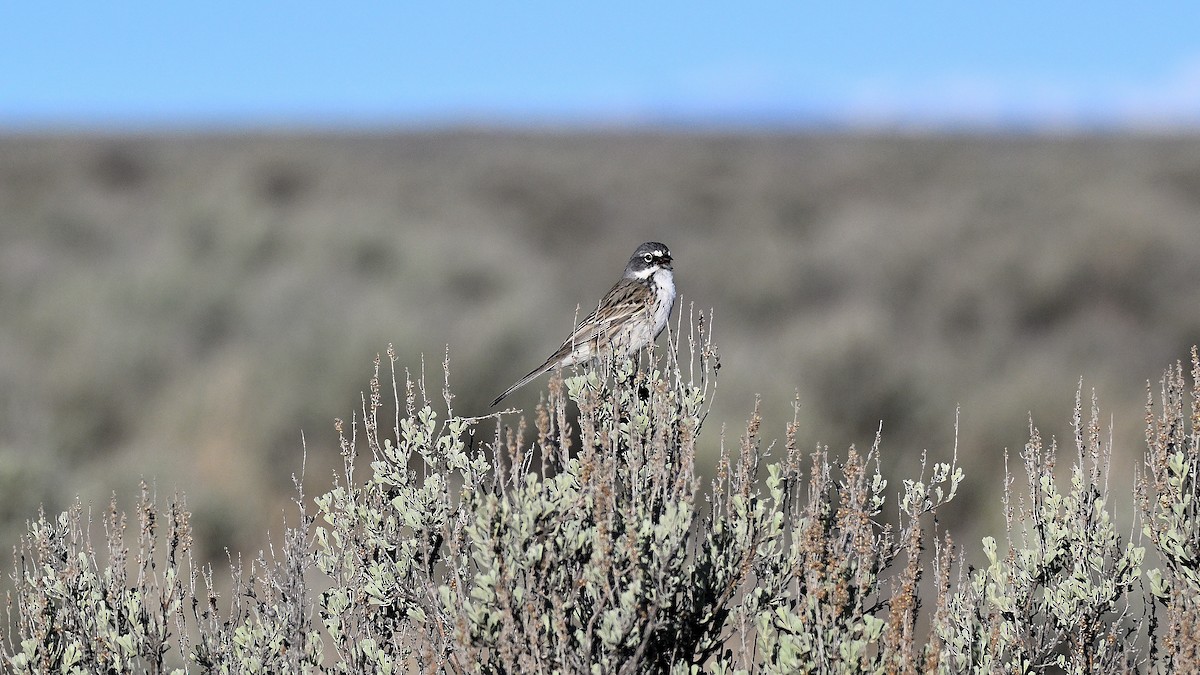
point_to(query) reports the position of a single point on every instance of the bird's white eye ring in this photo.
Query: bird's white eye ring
(647, 257)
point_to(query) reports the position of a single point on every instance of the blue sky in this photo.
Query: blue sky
(922, 64)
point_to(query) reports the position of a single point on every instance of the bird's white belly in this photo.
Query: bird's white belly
(640, 334)
(664, 281)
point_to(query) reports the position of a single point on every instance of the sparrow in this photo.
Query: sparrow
(628, 318)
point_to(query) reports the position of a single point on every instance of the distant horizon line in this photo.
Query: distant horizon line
(543, 124)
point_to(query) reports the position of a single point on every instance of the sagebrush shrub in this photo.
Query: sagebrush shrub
(1057, 596)
(585, 540)
(1169, 494)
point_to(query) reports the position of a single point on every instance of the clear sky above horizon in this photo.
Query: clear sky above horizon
(922, 64)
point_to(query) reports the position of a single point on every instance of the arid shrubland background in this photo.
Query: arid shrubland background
(182, 308)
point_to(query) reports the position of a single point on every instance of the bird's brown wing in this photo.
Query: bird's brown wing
(621, 304)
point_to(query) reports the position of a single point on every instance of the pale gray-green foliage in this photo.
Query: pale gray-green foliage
(593, 560)
(818, 595)
(607, 556)
(594, 546)
(1056, 597)
(1170, 500)
(78, 616)
(269, 624)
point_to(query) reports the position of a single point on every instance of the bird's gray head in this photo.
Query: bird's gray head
(648, 259)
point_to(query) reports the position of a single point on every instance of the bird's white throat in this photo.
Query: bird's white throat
(664, 288)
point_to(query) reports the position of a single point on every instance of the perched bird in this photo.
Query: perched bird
(628, 318)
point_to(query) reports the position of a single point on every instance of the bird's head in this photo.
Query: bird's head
(649, 258)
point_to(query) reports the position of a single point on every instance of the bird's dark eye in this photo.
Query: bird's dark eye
(648, 257)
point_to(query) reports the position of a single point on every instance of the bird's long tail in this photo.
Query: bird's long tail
(533, 374)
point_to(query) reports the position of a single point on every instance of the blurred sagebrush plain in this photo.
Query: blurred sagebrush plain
(182, 308)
